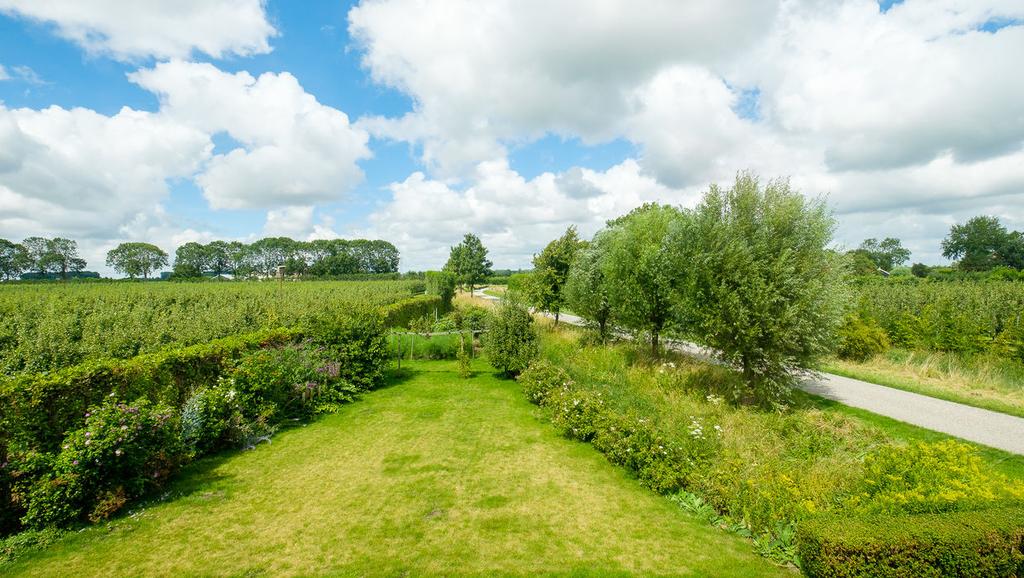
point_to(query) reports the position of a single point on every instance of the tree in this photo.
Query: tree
(886, 254)
(190, 260)
(38, 254)
(861, 264)
(62, 257)
(550, 271)
(766, 293)
(442, 284)
(586, 290)
(977, 243)
(239, 258)
(640, 281)
(1011, 254)
(920, 270)
(135, 259)
(510, 341)
(468, 261)
(218, 257)
(14, 259)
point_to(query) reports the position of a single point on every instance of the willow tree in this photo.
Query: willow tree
(586, 288)
(765, 291)
(551, 270)
(636, 266)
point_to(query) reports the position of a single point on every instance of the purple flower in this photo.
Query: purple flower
(74, 463)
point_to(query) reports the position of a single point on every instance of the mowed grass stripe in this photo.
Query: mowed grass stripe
(433, 475)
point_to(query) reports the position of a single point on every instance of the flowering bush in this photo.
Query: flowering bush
(122, 451)
(576, 413)
(271, 385)
(663, 463)
(930, 478)
(212, 419)
(540, 379)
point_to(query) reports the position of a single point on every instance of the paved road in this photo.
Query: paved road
(990, 428)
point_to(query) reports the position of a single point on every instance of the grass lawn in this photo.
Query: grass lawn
(988, 383)
(433, 475)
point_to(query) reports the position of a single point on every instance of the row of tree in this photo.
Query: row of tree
(981, 244)
(321, 258)
(329, 257)
(748, 273)
(41, 256)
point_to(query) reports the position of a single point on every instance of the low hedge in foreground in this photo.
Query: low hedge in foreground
(955, 544)
(81, 443)
(38, 409)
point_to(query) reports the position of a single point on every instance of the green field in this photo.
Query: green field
(55, 325)
(433, 475)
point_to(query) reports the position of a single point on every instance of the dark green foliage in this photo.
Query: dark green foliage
(964, 317)
(14, 259)
(468, 262)
(920, 270)
(541, 379)
(212, 419)
(136, 259)
(767, 293)
(52, 326)
(586, 290)
(885, 254)
(511, 341)
(983, 243)
(37, 409)
(402, 313)
(356, 342)
(551, 271)
(636, 265)
(442, 284)
(861, 339)
(121, 452)
(986, 543)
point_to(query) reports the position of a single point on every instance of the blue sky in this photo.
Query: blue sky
(175, 121)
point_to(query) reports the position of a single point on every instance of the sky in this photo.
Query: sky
(168, 121)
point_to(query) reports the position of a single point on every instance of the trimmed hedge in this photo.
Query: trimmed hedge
(38, 409)
(953, 544)
(401, 313)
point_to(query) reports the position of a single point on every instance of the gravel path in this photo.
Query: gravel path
(990, 428)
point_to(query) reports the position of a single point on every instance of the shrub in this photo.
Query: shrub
(511, 341)
(959, 544)
(861, 339)
(442, 284)
(660, 463)
(123, 451)
(356, 342)
(542, 378)
(211, 419)
(36, 410)
(576, 413)
(929, 478)
(403, 312)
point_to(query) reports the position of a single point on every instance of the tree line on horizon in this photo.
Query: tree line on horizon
(981, 244)
(59, 257)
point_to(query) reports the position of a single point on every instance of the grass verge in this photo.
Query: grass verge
(434, 475)
(983, 382)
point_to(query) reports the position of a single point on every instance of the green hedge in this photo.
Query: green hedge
(36, 410)
(955, 544)
(401, 313)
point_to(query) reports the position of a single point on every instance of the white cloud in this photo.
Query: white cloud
(514, 216)
(3, 73)
(158, 28)
(293, 150)
(484, 73)
(909, 116)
